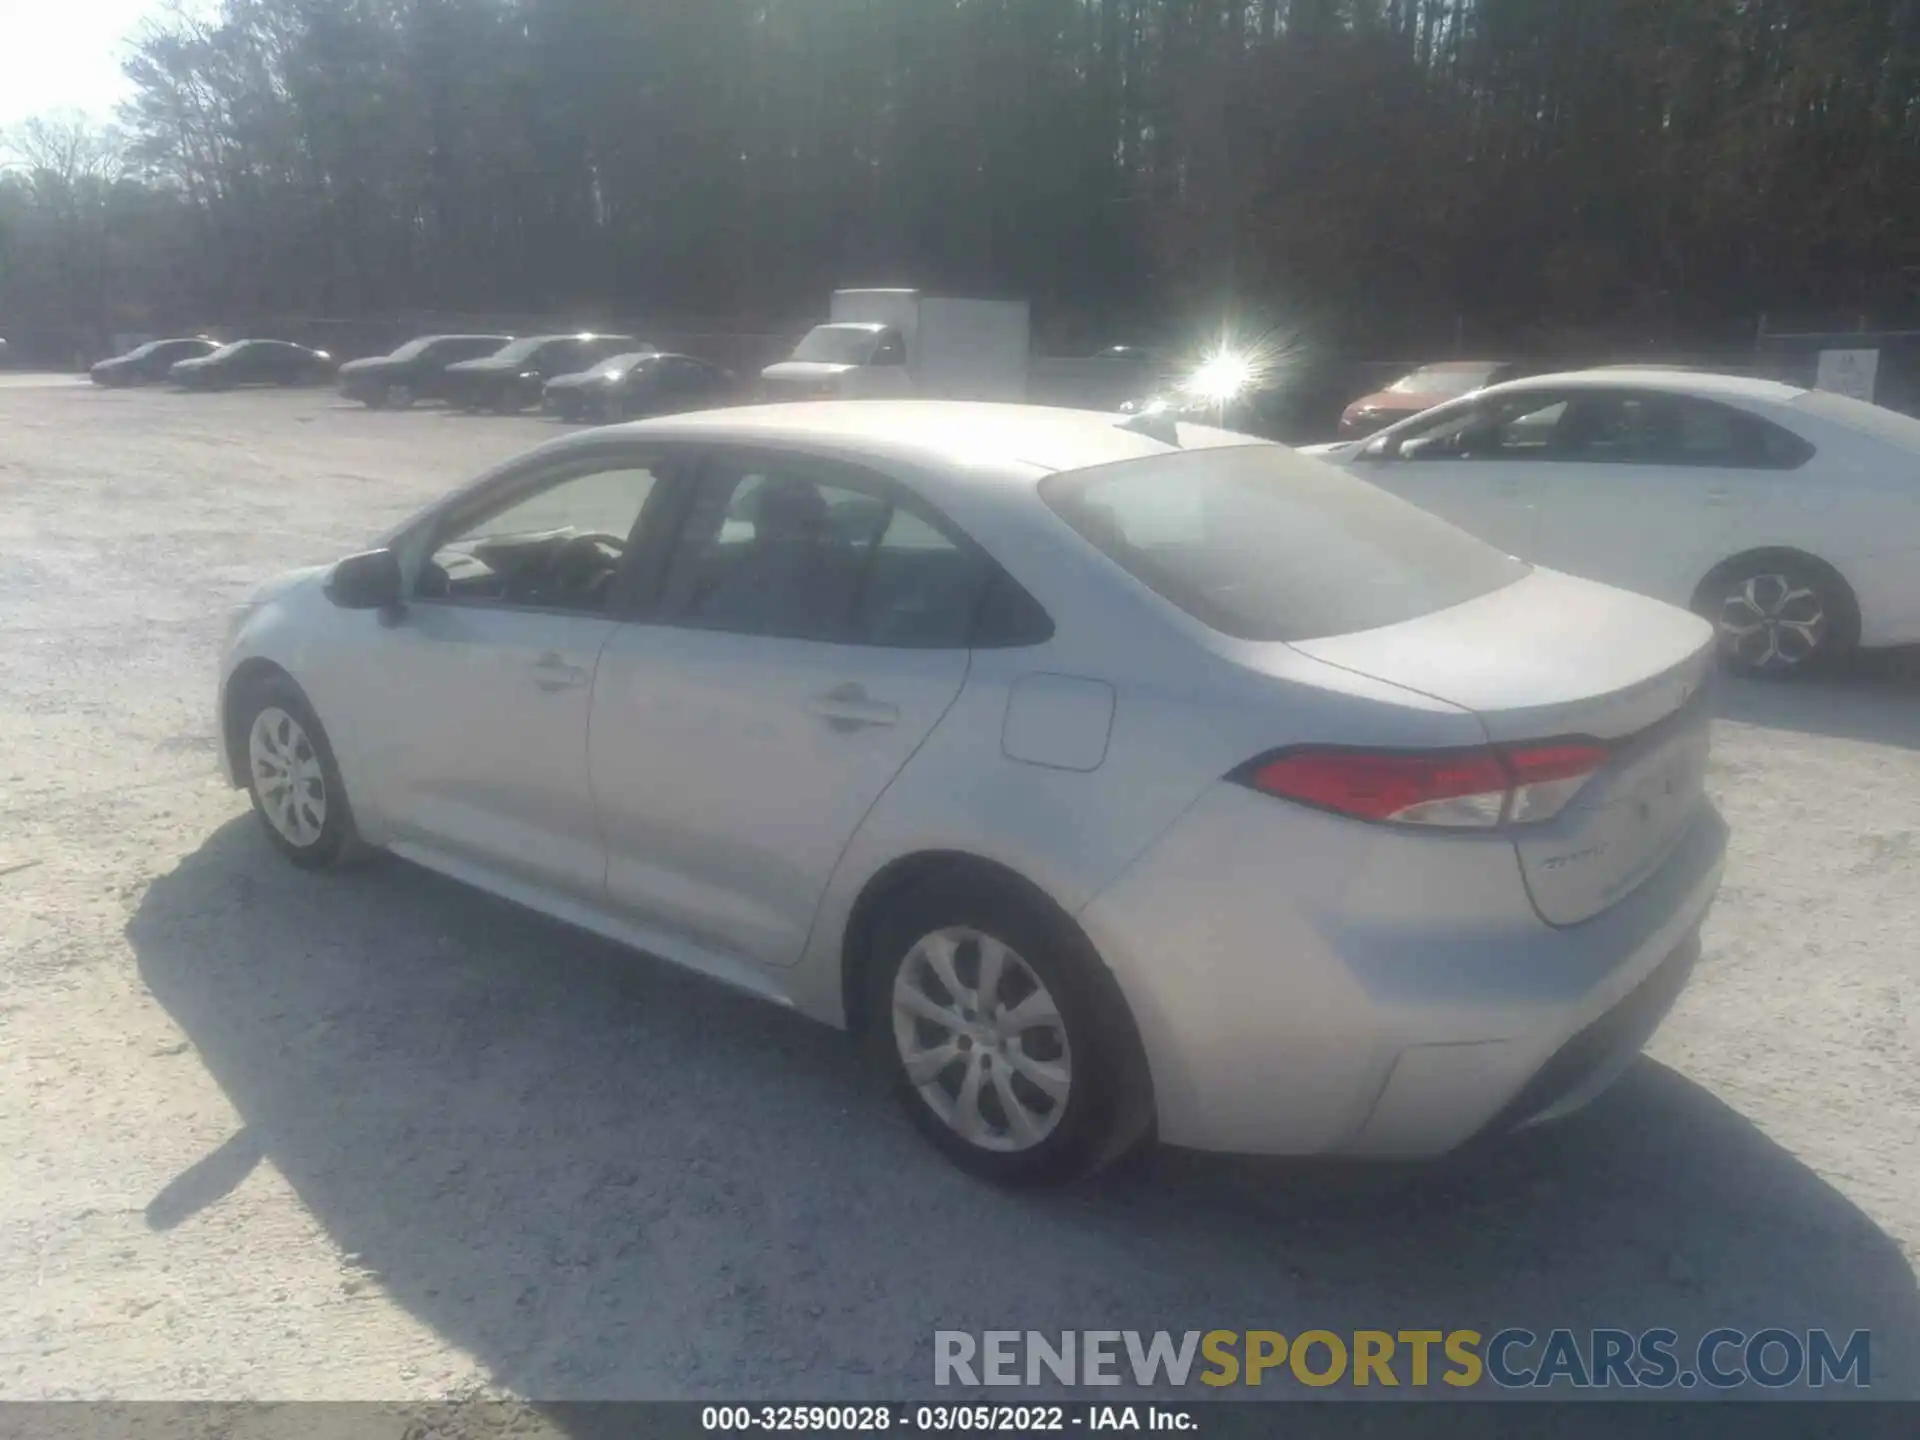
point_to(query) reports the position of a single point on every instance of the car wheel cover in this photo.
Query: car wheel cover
(981, 1040)
(287, 777)
(399, 396)
(1772, 622)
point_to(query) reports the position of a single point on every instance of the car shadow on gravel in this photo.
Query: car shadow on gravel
(1875, 699)
(605, 1178)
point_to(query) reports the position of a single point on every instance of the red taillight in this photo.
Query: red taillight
(1474, 789)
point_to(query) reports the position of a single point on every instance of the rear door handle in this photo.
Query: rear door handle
(552, 672)
(848, 707)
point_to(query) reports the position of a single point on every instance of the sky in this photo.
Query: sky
(65, 55)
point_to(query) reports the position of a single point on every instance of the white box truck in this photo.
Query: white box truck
(887, 343)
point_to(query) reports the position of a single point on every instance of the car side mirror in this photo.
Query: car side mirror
(367, 581)
(1381, 447)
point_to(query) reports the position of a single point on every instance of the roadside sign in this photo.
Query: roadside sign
(1848, 372)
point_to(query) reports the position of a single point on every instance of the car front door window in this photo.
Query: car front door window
(556, 549)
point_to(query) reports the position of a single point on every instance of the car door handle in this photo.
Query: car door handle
(552, 672)
(848, 707)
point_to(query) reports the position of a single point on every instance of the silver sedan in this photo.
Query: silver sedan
(1109, 779)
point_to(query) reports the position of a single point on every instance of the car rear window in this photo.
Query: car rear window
(1876, 420)
(1262, 544)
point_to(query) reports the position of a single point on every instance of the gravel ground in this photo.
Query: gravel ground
(374, 1137)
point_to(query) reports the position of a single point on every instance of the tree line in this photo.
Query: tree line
(1370, 172)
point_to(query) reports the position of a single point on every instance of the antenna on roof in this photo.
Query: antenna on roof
(1155, 425)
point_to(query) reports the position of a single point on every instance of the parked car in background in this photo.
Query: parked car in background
(1106, 784)
(1421, 390)
(415, 371)
(628, 386)
(513, 376)
(1788, 517)
(149, 363)
(253, 362)
(3, 350)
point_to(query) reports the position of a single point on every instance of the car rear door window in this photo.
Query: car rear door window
(1262, 544)
(773, 548)
(792, 547)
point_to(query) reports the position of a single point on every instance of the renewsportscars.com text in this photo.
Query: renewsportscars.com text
(1513, 1358)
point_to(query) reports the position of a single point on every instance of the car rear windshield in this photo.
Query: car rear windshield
(1262, 544)
(1876, 420)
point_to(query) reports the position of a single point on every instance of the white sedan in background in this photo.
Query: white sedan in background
(1107, 780)
(1788, 517)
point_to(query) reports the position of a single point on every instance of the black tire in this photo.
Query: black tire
(337, 840)
(374, 400)
(1107, 1110)
(507, 403)
(1779, 613)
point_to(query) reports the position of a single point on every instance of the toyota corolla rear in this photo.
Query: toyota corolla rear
(1452, 872)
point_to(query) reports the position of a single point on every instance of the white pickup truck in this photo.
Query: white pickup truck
(890, 343)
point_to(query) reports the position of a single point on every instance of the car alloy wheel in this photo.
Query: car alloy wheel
(399, 395)
(287, 777)
(1772, 622)
(982, 1040)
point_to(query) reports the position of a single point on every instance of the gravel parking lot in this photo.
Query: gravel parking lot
(271, 1135)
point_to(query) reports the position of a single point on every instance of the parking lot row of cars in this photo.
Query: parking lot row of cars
(577, 377)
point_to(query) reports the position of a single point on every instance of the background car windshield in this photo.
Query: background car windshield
(1442, 380)
(617, 364)
(1262, 544)
(414, 348)
(838, 345)
(520, 349)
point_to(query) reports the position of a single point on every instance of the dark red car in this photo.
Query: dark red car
(1419, 390)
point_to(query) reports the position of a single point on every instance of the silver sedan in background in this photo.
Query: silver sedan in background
(1109, 779)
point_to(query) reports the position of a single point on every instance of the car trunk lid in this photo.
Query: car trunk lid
(1552, 657)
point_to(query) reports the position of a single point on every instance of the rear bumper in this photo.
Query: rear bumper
(1363, 992)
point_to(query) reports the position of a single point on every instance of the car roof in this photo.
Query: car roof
(1678, 382)
(978, 437)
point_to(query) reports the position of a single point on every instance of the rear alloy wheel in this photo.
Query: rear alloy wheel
(1002, 1036)
(982, 1040)
(1779, 616)
(398, 396)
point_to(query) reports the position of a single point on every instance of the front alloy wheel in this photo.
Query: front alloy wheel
(981, 1040)
(291, 775)
(287, 777)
